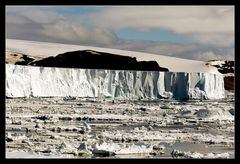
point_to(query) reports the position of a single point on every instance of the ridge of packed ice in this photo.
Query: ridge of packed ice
(26, 81)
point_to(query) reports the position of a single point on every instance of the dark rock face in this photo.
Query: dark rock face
(97, 60)
(26, 60)
(226, 67)
(229, 82)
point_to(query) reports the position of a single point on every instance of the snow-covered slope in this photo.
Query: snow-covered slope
(44, 49)
(24, 81)
(225, 67)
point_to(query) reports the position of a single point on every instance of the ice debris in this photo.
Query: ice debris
(181, 154)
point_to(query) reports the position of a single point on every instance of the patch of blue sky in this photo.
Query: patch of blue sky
(153, 34)
(69, 10)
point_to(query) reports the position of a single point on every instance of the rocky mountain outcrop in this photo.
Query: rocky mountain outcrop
(20, 59)
(97, 60)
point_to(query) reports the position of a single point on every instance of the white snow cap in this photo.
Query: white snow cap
(45, 49)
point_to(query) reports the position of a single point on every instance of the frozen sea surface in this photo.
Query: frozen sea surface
(56, 127)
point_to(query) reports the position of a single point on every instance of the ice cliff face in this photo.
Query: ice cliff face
(25, 81)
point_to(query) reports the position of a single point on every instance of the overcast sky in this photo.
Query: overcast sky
(192, 32)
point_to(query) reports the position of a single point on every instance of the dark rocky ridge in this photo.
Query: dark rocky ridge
(19, 59)
(97, 60)
(225, 67)
(26, 60)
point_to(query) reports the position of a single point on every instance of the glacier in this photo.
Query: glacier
(30, 81)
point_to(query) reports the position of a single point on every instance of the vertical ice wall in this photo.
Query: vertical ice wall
(25, 81)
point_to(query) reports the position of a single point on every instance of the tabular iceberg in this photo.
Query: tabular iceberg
(25, 81)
